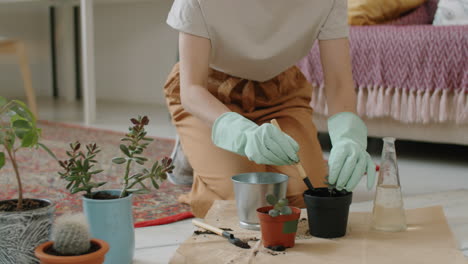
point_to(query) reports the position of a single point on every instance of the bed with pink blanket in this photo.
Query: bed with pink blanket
(411, 78)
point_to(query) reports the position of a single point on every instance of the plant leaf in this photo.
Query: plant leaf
(2, 157)
(118, 160)
(286, 210)
(22, 110)
(141, 158)
(3, 101)
(71, 178)
(47, 150)
(124, 149)
(29, 139)
(274, 213)
(69, 185)
(271, 199)
(155, 167)
(283, 202)
(79, 189)
(155, 184)
(136, 175)
(21, 127)
(278, 207)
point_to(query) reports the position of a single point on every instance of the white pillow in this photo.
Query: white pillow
(451, 12)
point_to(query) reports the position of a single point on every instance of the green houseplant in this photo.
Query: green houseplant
(25, 222)
(327, 211)
(109, 212)
(278, 223)
(71, 243)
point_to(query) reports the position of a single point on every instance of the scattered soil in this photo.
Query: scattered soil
(277, 248)
(303, 229)
(104, 196)
(274, 253)
(324, 192)
(51, 251)
(241, 244)
(28, 204)
(226, 229)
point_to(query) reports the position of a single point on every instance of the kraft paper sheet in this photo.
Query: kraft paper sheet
(427, 240)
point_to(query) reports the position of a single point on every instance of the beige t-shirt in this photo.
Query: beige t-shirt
(259, 39)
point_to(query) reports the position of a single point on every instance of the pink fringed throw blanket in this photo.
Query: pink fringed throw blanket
(415, 74)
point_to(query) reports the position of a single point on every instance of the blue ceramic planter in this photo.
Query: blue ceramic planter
(112, 221)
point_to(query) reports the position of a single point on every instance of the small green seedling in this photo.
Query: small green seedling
(280, 206)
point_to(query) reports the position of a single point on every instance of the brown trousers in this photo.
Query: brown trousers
(285, 98)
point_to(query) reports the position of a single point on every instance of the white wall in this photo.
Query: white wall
(29, 23)
(135, 50)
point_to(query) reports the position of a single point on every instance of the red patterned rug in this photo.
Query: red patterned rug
(40, 178)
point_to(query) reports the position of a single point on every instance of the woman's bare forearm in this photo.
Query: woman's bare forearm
(198, 101)
(194, 70)
(341, 97)
(339, 84)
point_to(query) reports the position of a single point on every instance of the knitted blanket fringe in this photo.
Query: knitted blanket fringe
(404, 105)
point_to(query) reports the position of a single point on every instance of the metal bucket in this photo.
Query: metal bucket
(251, 190)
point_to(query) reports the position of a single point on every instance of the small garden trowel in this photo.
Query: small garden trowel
(222, 233)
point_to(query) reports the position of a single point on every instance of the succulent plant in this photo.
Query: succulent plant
(136, 143)
(79, 169)
(280, 206)
(71, 235)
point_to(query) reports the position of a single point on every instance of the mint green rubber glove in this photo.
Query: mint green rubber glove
(263, 144)
(349, 159)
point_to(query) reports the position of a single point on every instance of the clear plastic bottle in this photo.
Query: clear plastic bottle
(389, 213)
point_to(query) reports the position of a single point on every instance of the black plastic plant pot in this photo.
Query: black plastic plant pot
(327, 214)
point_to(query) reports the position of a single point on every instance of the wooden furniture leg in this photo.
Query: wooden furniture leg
(26, 73)
(17, 47)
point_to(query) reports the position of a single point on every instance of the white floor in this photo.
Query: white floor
(424, 168)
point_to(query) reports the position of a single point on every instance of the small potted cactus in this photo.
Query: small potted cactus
(278, 223)
(71, 243)
(327, 211)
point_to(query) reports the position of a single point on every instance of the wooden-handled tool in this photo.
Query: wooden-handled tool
(220, 232)
(298, 165)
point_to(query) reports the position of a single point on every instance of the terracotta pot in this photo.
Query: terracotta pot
(280, 230)
(96, 257)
